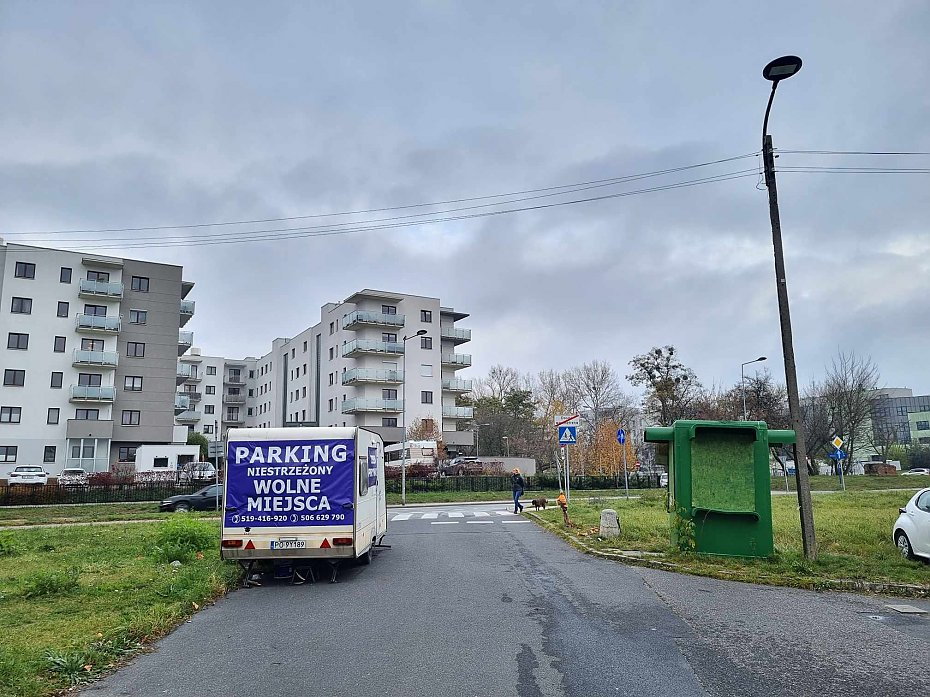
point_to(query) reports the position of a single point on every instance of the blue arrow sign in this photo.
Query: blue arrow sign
(621, 436)
(838, 455)
(568, 435)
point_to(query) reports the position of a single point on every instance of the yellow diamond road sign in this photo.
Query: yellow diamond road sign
(837, 442)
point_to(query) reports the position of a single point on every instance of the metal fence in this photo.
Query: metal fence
(533, 483)
(24, 495)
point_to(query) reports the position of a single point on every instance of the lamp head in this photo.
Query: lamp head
(781, 68)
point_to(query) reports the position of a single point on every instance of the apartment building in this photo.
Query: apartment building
(90, 362)
(897, 414)
(216, 389)
(378, 359)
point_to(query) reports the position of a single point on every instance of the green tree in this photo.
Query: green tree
(197, 438)
(671, 387)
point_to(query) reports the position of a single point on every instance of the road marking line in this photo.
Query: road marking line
(427, 516)
(481, 514)
(446, 522)
(456, 514)
(480, 522)
(518, 520)
(401, 516)
(505, 513)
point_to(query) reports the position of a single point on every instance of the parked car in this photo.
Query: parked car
(917, 470)
(197, 472)
(207, 499)
(28, 474)
(663, 479)
(73, 476)
(911, 532)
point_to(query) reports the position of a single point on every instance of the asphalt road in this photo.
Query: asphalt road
(471, 601)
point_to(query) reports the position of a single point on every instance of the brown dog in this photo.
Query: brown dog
(539, 503)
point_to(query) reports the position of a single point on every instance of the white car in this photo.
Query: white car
(28, 474)
(911, 532)
(196, 472)
(73, 476)
(917, 470)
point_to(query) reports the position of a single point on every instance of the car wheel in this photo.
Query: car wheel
(182, 508)
(904, 545)
(366, 558)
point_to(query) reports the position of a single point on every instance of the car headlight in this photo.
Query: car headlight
(166, 503)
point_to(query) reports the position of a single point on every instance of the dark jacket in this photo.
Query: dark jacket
(516, 482)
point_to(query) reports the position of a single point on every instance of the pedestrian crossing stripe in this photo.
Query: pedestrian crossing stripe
(434, 515)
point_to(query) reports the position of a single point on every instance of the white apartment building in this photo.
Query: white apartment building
(90, 357)
(364, 364)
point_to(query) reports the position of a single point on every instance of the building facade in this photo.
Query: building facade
(897, 415)
(90, 361)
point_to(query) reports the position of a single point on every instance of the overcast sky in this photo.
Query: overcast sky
(122, 114)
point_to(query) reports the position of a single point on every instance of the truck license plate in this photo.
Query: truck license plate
(288, 544)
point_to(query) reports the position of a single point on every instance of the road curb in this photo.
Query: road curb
(907, 590)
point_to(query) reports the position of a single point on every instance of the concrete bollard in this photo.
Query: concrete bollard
(610, 523)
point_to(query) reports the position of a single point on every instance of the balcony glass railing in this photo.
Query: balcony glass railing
(462, 359)
(233, 418)
(95, 393)
(455, 334)
(371, 375)
(188, 416)
(374, 318)
(107, 359)
(453, 385)
(185, 338)
(98, 323)
(234, 398)
(366, 346)
(101, 288)
(182, 401)
(234, 379)
(187, 307)
(89, 464)
(186, 371)
(458, 412)
(353, 405)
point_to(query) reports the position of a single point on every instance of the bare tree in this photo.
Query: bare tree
(884, 434)
(848, 388)
(499, 381)
(815, 412)
(671, 387)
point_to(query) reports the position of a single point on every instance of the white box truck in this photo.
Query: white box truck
(303, 493)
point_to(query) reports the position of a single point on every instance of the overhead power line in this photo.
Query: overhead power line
(852, 152)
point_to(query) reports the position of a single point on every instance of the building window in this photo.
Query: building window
(140, 284)
(210, 389)
(87, 414)
(7, 453)
(332, 378)
(60, 342)
(90, 379)
(211, 370)
(24, 270)
(208, 409)
(305, 347)
(426, 316)
(132, 383)
(330, 404)
(138, 316)
(332, 352)
(131, 417)
(208, 429)
(11, 415)
(388, 310)
(63, 308)
(65, 275)
(389, 337)
(426, 342)
(232, 413)
(127, 453)
(304, 395)
(92, 344)
(99, 276)
(426, 397)
(54, 414)
(135, 349)
(95, 310)
(50, 450)
(332, 328)
(251, 375)
(14, 378)
(923, 425)
(249, 411)
(21, 306)
(16, 341)
(426, 371)
(388, 394)
(56, 380)
(293, 353)
(389, 421)
(924, 441)
(251, 393)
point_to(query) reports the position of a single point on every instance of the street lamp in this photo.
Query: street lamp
(507, 445)
(742, 382)
(477, 435)
(776, 71)
(403, 422)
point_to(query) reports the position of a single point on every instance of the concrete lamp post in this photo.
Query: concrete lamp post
(403, 422)
(742, 382)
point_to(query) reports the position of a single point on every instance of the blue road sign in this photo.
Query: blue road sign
(621, 436)
(838, 454)
(568, 435)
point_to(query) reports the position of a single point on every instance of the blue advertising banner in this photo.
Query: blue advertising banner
(290, 483)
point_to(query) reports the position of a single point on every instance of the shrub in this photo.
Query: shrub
(181, 538)
(51, 582)
(75, 667)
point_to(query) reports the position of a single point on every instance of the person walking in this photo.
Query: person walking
(516, 485)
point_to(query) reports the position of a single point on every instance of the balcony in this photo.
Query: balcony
(188, 417)
(456, 336)
(360, 347)
(456, 360)
(454, 385)
(89, 464)
(92, 393)
(232, 379)
(97, 359)
(360, 376)
(96, 324)
(458, 412)
(353, 406)
(362, 318)
(100, 289)
(236, 418)
(187, 372)
(192, 395)
(182, 402)
(233, 398)
(185, 341)
(187, 311)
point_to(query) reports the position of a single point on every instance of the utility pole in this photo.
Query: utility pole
(775, 71)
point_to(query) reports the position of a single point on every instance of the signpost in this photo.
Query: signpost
(621, 439)
(567, 427)
(839, 455)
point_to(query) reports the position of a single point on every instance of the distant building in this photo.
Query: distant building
(897, 412)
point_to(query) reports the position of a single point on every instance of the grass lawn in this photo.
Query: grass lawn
(74, 601)
(859, 482)
(84, 514)
(853, 537)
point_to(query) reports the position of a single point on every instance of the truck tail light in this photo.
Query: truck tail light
(232, 543)
(342, 541)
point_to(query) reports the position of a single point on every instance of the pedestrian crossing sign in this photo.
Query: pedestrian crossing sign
(568, 435)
